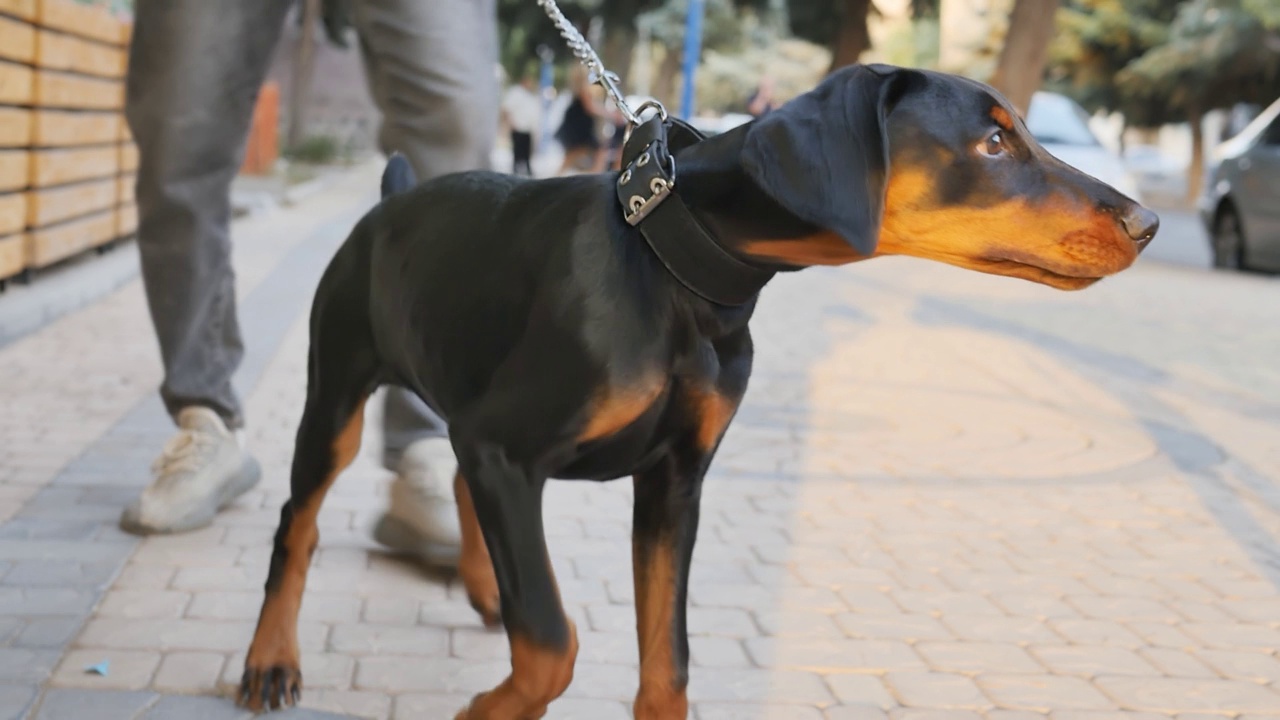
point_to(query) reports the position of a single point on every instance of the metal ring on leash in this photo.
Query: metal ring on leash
(646, 105)
(662, 111)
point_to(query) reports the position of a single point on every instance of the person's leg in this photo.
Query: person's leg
(431, 71)
(573, 158)
(407, 420)
(522, 150)
(194, 72)
(430, 65)
(195, 68)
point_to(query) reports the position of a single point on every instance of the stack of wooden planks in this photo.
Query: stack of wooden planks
(67, 163)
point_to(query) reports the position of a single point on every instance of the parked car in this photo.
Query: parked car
(1059, 124)
(1155, 171)
(1240, 200)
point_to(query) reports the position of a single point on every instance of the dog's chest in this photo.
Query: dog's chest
(625, 449)
(649, 431)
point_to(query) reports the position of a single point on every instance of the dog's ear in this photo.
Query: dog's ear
(824, 156)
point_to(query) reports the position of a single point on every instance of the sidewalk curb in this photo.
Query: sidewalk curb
(64, 289)
(87, 278)
(295, 194)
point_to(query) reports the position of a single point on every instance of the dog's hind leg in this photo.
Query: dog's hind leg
(342, 371)
(475, 566)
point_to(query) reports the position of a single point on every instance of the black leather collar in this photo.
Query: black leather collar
(647, 190)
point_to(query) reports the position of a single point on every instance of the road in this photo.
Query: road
(1181, 240)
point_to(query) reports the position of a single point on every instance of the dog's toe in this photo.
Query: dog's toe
(270, 688)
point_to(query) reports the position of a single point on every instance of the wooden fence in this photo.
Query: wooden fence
(67, 163)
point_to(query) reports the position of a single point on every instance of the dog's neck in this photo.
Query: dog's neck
(744, 219)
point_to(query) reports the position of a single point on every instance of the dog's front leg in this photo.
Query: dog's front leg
(664, 528)
(507, 500)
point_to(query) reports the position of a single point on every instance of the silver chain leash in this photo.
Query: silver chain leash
(584, 52)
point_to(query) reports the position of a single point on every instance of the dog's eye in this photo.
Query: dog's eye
(993, 146)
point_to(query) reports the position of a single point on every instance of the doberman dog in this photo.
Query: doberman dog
(539, 323)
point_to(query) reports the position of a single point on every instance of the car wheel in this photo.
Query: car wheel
(1228, 241)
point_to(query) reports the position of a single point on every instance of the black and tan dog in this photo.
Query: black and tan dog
(557, 345)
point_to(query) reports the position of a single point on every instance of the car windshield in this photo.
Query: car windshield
(1056, 120)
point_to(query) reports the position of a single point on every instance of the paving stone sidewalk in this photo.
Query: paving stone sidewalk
(947, 496)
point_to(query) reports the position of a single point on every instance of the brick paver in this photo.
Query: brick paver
(947, 496)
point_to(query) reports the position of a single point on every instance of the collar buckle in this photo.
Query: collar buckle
(646, 182)
(641, 207)
(646, 191)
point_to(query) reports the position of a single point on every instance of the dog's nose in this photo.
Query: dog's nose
(1141, 224)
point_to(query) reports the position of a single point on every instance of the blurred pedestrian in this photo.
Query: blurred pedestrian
(195, 68)
(578, 132)
(522, 111)
(761, 101)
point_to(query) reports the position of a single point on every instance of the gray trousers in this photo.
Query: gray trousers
(195, 68)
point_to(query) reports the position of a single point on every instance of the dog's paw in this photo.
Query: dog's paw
(475, 709)
(270, 688)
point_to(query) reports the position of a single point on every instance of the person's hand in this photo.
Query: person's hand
(336, 16)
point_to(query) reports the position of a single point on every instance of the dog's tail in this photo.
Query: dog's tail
(398, 177)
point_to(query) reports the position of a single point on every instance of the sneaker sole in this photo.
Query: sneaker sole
(403, 538)
(249, 475)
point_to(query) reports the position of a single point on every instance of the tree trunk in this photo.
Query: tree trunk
(664, 86)
(1195, 169)
(1020, 69)
(619, 48)
(853, 38)
(304, 66)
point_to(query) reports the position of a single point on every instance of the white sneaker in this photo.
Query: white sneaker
(422, 518)
(201, 470)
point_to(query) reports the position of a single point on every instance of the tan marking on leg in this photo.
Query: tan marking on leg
(475, 566)
(538, 676)
(615, 409)
(659, 697)
(275, 642)
(713, 412)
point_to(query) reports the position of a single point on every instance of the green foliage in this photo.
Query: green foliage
(1159, 61)
(524, 25)
(722, 28)
(1097, 39)
(818, 21)
(1267, 11)
(1218, 53)
(317, 149)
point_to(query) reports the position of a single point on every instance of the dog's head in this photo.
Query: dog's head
(911, 162)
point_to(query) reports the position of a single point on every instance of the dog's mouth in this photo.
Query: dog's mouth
(1036, 273)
